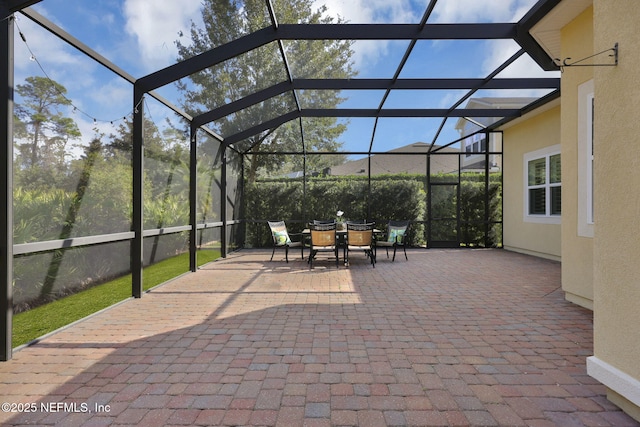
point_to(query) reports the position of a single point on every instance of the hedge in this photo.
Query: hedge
(400, 196)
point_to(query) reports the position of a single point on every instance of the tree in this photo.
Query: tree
(225, 21)
(42, 125)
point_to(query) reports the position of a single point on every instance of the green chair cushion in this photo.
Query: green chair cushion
(396, 234)
(281, 237)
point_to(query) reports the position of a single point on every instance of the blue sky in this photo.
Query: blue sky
(139, 36)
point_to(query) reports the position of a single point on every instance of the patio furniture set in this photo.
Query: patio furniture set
(329, 237)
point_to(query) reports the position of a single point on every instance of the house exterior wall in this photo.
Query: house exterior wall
(617, 204)
(577, 246)
(532, 134)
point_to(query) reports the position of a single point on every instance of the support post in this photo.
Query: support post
(487, 183)
(427, 228)
(6, 177)
(305, 202)
(137, 254)
(193, 199)
(223, 203)
(368, 218)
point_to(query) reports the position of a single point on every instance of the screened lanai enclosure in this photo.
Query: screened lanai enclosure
(137, 132)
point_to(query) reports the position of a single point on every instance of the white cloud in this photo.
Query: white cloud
(468, 11)
(112, 96)
(156, 28)
(496, 52)
(371, 53)
(524, 66)
(368, 53)
(50, 52)
(371, 11)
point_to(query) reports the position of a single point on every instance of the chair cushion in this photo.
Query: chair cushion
(359, 247)
(281, 237)
(324, 248)
(396, 234)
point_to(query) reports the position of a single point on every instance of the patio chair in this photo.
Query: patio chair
(323, 239)
(282, 239)
(324, 221)
(396, 237)
(360, 238)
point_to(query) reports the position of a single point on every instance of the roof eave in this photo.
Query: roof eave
(546, 31)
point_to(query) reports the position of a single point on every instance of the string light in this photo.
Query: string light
(75, 108)
(148, 110)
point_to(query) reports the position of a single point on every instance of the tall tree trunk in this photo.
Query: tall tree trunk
(34, 145)
(253, 169)
(70, 221)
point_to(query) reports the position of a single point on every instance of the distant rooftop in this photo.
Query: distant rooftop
(398, 163)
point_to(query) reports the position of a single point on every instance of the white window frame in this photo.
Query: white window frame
(585, 159)
(589, 147)
(545, 153)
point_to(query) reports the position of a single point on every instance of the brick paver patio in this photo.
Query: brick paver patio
(449, 338)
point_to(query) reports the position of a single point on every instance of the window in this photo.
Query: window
(475, 144)
(586, 125)
(543, 185)
(589, 147)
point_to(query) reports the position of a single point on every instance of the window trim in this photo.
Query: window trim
(545, 153)
(590, 157)
(585, 159)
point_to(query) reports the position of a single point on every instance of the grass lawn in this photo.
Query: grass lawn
(29, 325)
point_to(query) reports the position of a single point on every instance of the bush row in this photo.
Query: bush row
(384, 198)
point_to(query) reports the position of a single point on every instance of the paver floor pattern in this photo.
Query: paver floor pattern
(448, 338)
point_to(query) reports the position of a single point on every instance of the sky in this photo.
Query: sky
(139, 36)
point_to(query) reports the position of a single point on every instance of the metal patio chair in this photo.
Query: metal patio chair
(323, 239)
(282, 239)
(360, 238)
(396, 237)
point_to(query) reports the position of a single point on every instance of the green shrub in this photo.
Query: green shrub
(284, 200)
(387, 197)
